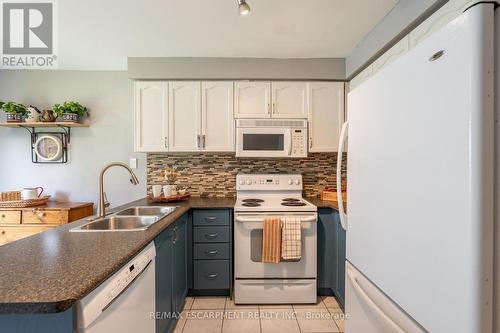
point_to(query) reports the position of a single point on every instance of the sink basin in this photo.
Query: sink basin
(119, 223)
(130, 219)
(146, 211)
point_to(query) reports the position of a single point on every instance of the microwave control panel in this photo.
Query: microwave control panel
(299, 143)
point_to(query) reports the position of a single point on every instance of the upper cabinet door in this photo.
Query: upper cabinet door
(184, 115)
(289, 100)
(326, 115)
(252, 99)
(217, 118)
(151, 116)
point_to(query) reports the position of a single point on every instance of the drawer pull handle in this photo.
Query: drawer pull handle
(211, 253)
(3, 216)
(3, 232)
(212, 276)
(211, 236)
(211, 218)
(40, 215)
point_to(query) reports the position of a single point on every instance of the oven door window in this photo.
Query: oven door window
(267, 142)
(256, 245)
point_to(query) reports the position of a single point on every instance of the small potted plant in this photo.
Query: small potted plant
(15, 111)
(70, 111)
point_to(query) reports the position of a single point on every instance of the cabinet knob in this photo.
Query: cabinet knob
(40, 215)
(3, 232)
(2, 216)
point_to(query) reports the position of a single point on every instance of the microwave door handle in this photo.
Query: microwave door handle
(289, 142)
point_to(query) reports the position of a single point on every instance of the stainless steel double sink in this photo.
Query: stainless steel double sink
(137, 218)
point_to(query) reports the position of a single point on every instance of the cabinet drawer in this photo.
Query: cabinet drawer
(10, 234)
(42, 216)
(211, 274)
(211, 251)
(10, 216)
(211, 234)
(207, 217)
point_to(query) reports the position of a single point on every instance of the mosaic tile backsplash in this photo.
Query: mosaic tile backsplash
(214, 174)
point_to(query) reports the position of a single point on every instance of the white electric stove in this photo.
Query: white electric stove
(260, 196)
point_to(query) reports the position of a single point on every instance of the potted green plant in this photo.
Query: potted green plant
(70, 111)
(15, 111)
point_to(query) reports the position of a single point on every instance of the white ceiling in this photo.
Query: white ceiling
(97, 34)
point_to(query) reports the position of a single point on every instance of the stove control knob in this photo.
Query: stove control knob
(297, 181)
(242, 182)
(290, 182)
(249, 182)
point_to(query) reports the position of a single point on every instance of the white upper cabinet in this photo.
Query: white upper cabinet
(151, 116)
(252, 99)
(196, 116)
(326, 115)
(184, 115)
(255, 99)
(289, 99)
(217, 118)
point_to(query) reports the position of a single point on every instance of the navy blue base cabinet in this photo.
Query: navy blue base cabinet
(331, 255)
(212, 252)
(171, 273)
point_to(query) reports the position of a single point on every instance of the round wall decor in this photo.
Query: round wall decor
(48, 147)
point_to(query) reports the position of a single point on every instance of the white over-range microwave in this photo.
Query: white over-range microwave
(271, 138)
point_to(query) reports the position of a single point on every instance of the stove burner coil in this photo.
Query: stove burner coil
(252, 200)
(251, 204)
(291, 200)
(293, 203)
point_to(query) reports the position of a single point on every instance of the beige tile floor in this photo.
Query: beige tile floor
(221, 315)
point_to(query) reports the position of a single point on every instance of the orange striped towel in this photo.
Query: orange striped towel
(271, 240)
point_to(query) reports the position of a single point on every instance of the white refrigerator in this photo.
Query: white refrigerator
(420, 186)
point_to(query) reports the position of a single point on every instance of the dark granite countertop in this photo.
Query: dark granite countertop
(50, 271)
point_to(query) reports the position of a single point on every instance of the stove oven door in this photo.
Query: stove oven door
(248, 229)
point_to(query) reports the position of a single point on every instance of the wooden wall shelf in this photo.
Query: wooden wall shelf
(40, 124)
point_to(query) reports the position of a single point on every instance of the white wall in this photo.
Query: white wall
(109, 95)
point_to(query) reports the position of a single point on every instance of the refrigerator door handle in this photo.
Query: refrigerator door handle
(395, 328)
(342, 213)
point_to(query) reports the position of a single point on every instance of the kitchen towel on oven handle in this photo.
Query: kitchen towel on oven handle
(291, 243)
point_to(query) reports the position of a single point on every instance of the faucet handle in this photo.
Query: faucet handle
(106, 202)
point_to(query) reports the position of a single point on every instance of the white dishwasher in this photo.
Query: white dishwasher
(123, 303)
